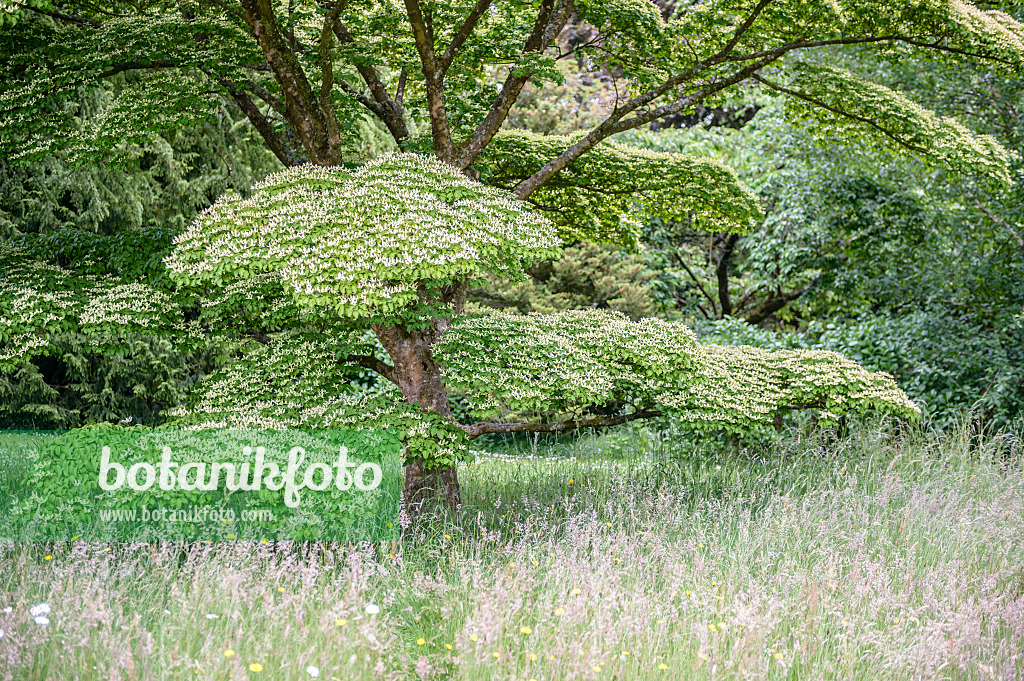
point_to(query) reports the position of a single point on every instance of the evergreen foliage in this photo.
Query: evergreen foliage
(77, 348)
(582, 276)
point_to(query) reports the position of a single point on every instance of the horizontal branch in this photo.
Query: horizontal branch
(483, 427)
(996, 219)
(860, 119)
(775, 303)
(137, 66)
(373, 364)
(61, 16)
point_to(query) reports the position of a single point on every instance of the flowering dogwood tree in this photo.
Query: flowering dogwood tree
(318, 255)
(330, 249)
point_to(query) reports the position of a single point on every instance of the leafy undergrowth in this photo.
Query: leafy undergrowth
(631, 556)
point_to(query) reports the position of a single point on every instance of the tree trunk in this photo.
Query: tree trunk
(419, 378)
(430, 488)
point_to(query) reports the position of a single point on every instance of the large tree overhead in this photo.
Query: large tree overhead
(303, 71)
(392, 245)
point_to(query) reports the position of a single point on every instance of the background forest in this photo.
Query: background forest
(902, 266)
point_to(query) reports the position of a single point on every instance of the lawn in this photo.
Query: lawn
(635, 555)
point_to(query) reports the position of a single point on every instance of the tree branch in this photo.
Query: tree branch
(700, 285)
(547, 27)
(805, 44)
(400, 90)
(302, 108)
(722, 273)
(773, 305)
(61, 16)
(263, 93)
(423, 35)
(448, 56)
(327, 73)
(281, 150)
(478, 429)
(137, 66)
(363, 99)
(263, 126)
(744, 27)
(996, 219)
(861, 119)
(373, 364)
(615, 123)
(748, 296)
(388, 110)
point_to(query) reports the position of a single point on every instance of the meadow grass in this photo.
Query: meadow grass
(634, 555)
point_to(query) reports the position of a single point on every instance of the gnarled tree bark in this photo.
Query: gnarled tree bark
(419, 378)
(418, 375)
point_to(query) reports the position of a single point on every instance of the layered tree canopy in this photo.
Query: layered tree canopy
(367, 243)
(41, 300)
(590, 368)
(581, 360)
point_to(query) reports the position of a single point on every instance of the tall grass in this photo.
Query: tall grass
(637, 555)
